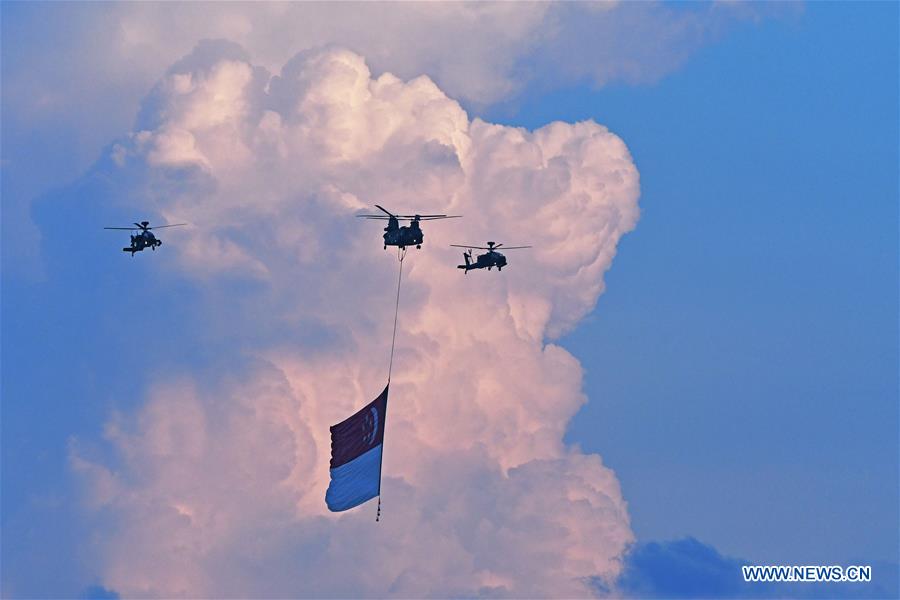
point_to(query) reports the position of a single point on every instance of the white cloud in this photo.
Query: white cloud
(216, 487)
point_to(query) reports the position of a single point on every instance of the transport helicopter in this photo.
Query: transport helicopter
(488, 260)
(405, 235)
(144, 238)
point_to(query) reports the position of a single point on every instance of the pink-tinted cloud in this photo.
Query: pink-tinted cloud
(480, 52)
(217, 484)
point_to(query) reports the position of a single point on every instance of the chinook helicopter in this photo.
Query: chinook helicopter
(406, 235)
(143, 239)
(488, 260)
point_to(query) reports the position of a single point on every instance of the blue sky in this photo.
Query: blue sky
(741, 366)
(743, 362)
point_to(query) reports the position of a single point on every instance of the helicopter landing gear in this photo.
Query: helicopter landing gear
(418, 246)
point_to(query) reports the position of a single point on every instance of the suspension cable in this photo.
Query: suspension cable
(401, 254)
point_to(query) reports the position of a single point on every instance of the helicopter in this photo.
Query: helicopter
(407, 235)
(488, 260)
(144, 239)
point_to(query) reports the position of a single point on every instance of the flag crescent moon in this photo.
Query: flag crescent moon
(371, 437)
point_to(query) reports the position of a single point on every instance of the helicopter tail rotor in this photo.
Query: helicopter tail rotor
(467, 256)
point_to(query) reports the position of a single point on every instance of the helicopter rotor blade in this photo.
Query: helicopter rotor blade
(164, 226)
(470, 247)
(494, 247)
(122, 228)
(401, 218)
(441, 216)
(384, 210)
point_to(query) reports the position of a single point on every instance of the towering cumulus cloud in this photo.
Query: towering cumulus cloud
(215, 486)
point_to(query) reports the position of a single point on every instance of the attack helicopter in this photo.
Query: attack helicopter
(488, 260)
(145, 238)
(406, 235)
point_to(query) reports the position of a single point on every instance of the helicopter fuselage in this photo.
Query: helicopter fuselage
(141, 240)
(407, 235)
(488, 260)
